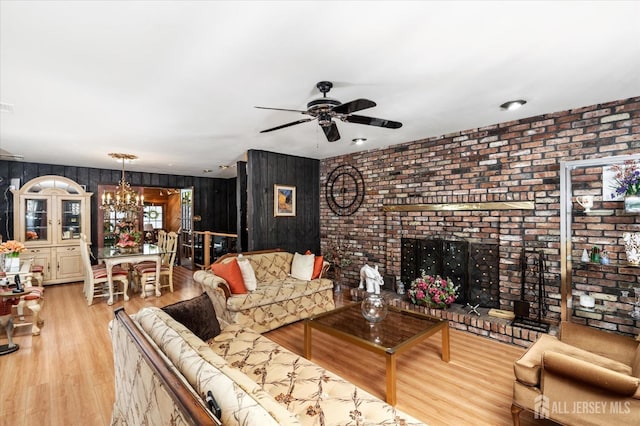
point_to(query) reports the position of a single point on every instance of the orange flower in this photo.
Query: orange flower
(12, 246)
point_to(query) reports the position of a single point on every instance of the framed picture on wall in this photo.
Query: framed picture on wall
(284, 200)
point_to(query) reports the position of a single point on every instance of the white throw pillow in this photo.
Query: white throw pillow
(302, 266)
(248, 274)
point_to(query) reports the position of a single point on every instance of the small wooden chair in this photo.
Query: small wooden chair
(95, 276)
(37, 274)
(33, 300)
(146, 271)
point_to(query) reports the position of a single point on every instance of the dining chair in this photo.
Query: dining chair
(95, 276)
(162, 234)
(146, 271)
(34, 297)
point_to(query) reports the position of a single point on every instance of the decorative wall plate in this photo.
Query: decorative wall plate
(344, 190)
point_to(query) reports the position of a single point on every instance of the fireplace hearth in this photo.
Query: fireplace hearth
(474, 267)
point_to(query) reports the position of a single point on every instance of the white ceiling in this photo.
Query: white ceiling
(175, 83)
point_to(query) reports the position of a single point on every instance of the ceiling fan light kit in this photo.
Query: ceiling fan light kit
(325, 110)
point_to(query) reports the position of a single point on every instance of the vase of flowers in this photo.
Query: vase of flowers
(627, 185)
(11, 250)
(433, 292)
(129, 242)
(337, 255)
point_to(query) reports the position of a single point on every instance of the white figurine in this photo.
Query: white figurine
(372, 277)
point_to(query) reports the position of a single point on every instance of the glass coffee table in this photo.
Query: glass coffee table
(400, 331)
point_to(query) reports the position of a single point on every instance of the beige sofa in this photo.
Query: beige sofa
(587, 377)
(279, 299)
(254, 380)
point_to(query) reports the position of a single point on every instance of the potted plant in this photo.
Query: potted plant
(627, 180)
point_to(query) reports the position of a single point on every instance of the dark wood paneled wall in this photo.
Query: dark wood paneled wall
(298, 233)
(241, 205)
(214, 199)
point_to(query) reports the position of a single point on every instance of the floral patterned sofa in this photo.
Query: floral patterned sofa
(279, 298)
(254, 380)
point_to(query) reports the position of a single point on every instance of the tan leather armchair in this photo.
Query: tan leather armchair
(586, 377)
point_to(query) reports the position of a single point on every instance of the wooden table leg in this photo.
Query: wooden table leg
(307, 340)
(391, 378)
(445, 343)
(110, 282)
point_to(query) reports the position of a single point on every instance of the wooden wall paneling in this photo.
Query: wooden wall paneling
(312, 206)
(230, 206)
(156, 180)
(4, 174)
(174, 212)
(266, 231)
(57, 170)
(134, 178)
(175, 182)
(241, 205)
(203, 189)
(6, 201)
(198, 206)
(71, 172)
(30, 171)
(82, 175)
(217, 206)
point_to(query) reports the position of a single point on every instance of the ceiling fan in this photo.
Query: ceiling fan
(326, 109)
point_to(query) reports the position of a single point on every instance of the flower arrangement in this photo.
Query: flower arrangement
(434, 292)
(336, 254)
(129, 239)
(31, 235)
(627, 179)
(12, 247)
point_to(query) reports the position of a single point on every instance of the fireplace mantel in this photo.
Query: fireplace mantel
(495, 205)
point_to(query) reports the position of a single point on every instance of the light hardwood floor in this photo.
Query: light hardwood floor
(65, 375)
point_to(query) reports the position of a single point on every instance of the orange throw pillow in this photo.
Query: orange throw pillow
(317, 265)
(230, 272)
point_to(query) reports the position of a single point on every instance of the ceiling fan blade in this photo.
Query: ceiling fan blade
(331, 132)
(353, 106)
(371, 121)
(293, 123)
(282, 109)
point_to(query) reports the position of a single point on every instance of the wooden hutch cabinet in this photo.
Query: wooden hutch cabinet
(50, 214)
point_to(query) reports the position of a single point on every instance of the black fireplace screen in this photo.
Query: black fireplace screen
(471, 266)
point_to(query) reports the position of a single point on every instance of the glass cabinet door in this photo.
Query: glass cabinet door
(36, 220)
(71, 219)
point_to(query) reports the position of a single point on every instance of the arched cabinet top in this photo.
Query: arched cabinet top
(52, 184)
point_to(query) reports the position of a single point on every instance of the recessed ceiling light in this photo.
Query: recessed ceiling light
(359, 141)
(513, 105)
(207, 171)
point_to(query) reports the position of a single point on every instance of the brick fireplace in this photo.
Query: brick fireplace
(511, 162)
(472, 267)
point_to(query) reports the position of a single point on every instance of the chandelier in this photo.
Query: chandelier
(123, 199)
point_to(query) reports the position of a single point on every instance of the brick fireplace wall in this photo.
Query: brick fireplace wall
(511, 161)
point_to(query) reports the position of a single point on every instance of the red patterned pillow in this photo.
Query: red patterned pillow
(230, 272)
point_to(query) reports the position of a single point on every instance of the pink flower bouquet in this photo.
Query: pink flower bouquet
(434, 292)
(129, 239)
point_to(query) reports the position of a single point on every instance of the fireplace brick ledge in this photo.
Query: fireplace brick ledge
(484, 325)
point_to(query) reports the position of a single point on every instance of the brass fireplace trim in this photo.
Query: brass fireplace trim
(494, 205)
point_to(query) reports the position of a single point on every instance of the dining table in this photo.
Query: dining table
(112, 256)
